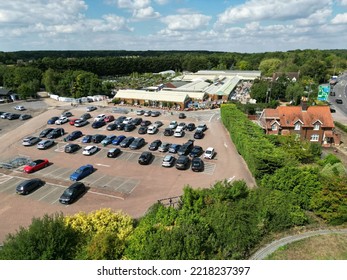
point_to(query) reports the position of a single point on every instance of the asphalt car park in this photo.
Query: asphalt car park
(120, 183)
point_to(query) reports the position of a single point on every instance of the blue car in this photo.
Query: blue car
(82, 172)
(74, 135)
(52, 120)
(118, 139)
(87, 139)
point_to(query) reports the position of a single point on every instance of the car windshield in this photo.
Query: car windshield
(32, 163)
(79, 171)
(68, 192)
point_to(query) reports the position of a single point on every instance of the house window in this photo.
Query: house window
(314, 138)
(274, 127)
(316, 126)
(297, 126)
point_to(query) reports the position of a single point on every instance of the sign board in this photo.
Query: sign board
(323, 92)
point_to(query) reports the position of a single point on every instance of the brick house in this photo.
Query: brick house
(313, 123)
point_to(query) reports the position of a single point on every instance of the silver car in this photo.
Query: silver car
(31, 140)
(45, 144)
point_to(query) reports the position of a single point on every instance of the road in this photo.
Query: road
(340, 90)
(272, 247)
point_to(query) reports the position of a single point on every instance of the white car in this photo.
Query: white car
(209, 153)
(19, 108)
(179, 132)
(61, 120)
(127, 120)
(152, 129)
(173, 124)
(100, 117)
(89, 150)
(44, 144)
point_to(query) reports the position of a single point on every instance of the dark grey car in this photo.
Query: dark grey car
(28, 186)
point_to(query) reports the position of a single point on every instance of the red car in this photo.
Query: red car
(109, 118)
(72, 121)
(36, 165)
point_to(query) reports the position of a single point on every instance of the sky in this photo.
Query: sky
(246, 26)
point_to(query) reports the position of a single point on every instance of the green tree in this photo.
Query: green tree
(269, 66)
(294, 92)
(259, 91)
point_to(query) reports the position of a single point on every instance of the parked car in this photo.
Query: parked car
(36, 165)
(339, 101)
(332, 109)
(118, 139)
(145, 158)
(72, 193)
(136, 121)
(164, 147)
(168, 131)
(74, 135)
(197, 164)
(196, 151)
(82, 172)
(19, 108)
(72, 121)
(155, 114)
(13, 116)
(182, 162)
(114, 152)
(190, 126)
(158, 123)
(137, 143)
(146, 123)
(87, 139)
(120, 119)
(209, 153)
(85, 116)
(52, 120)
(168, 161)
(80, 123)
(127, 120)
(182, 125)
(173, 124)
(45, 144)
(67, 114)
(140, 112)
(202, 127)
(179, 132)
(100, 117)
(61, 120)
(111, 126)
(91, 108)
(147, 113)
(98, 124)
(5, 115)
(181, 115)
(127, 141)
(152, 129)
(155, 145)
(142, 130)
(55, 133)
(28, 186)
(109, 118)
(30, 140)
(45, 132)
(120, 126)
(129, 127)
(97, 138)
(71, 148)
(199, 134)
(186, 148)
(25, 117)
(174, 148)
(108, 140)
(90, 150)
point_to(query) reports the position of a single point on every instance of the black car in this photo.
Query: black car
(339, 101)
(114, 152)
(52, 120)
(127, 141)
(74, 135)
(168, 131)
(111, 126)
(98, 124)
(199, 134)
(120, 119)
(55, 133)
(154, 145)
(136, 121)
(137, 143)
(13, 116)
(146, 123)
(24, 117)
(181, 115)
(72, 193)
(120, 126)
(85, 116)
(197, 164)
(129, 127)
(142, 130)
(182, 162)
(186, 148)
(71, 148)
(145, 158)
(28, 186)
(97, 138)
(196, 151)
(45, 132)
(190, 126)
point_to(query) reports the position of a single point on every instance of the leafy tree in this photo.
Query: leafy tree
(47, 238)
(259, 91)
(294, 92)
(269, 66)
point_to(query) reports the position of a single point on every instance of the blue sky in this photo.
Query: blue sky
(215, 25)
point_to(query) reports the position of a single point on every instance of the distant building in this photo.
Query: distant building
(292, 76)
(313, 123)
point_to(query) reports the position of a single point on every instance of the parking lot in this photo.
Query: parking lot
(119, 183)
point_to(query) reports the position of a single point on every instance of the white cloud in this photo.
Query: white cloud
(342, 2)
(340, 19)
(318, 17)
(271, 9)
(133, 4)
(186, 22)
(145, 13)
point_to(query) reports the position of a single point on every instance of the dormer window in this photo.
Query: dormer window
(274, 127)
(297, 126)
(316, 126)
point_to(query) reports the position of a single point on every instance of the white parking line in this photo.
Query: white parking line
(99, 164)
(92, 183)
(47, 194)
(108, 195)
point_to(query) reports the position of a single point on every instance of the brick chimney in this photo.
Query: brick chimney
(303, 103)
